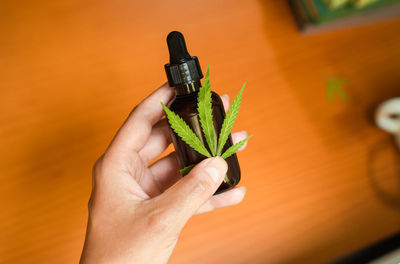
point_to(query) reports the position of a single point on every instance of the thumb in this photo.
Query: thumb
(193, 190)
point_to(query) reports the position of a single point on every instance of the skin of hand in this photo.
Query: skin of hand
(137, 211)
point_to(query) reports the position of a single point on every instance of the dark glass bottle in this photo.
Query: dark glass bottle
(184, 74)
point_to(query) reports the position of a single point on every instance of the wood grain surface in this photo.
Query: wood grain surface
(322, 180)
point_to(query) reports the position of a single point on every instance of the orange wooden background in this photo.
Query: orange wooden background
(322, 179)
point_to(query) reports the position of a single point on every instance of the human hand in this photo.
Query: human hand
(135, 216)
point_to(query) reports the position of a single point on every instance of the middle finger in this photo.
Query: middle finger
(157, 142)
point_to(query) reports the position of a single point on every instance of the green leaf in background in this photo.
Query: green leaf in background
(229, 120)
(183, 130)
(186, 170)
(234, 148)
(204, 108)
(334, 87)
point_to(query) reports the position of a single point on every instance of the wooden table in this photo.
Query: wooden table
(322, 180)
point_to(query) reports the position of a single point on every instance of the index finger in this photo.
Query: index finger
(135, 131)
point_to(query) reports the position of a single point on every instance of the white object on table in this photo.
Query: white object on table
(387, 117)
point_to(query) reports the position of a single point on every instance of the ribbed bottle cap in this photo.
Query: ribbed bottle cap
(182, 68)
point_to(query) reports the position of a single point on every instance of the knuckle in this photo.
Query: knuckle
(133, 111)
(90, 203)
(159, 220)
(97, 165)
(96, 171)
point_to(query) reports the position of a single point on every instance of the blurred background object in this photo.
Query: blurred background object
(321, 15)
(323, 180)
(387, 116)
(386, 251)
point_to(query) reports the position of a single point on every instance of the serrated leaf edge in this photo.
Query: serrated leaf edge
(234, 148)
(190, 138)
(204, 108)
(229, 120)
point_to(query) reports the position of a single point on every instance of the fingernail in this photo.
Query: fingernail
(216, 167)
(240, 136)
(243, 134)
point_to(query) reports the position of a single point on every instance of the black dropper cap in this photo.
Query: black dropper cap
(182, 69)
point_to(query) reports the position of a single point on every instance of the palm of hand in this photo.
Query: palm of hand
(128, 196)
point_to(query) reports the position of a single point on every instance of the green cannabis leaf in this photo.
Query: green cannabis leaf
(186, 170)
(204, 108)
(229, 120)
(234, 148)
(205, 113)
(334, 86)
(183, 130)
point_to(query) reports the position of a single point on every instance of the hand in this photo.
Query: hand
(135, 216)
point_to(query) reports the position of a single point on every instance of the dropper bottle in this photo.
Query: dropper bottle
(184, 74)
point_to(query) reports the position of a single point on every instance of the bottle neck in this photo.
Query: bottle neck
(185, 89)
